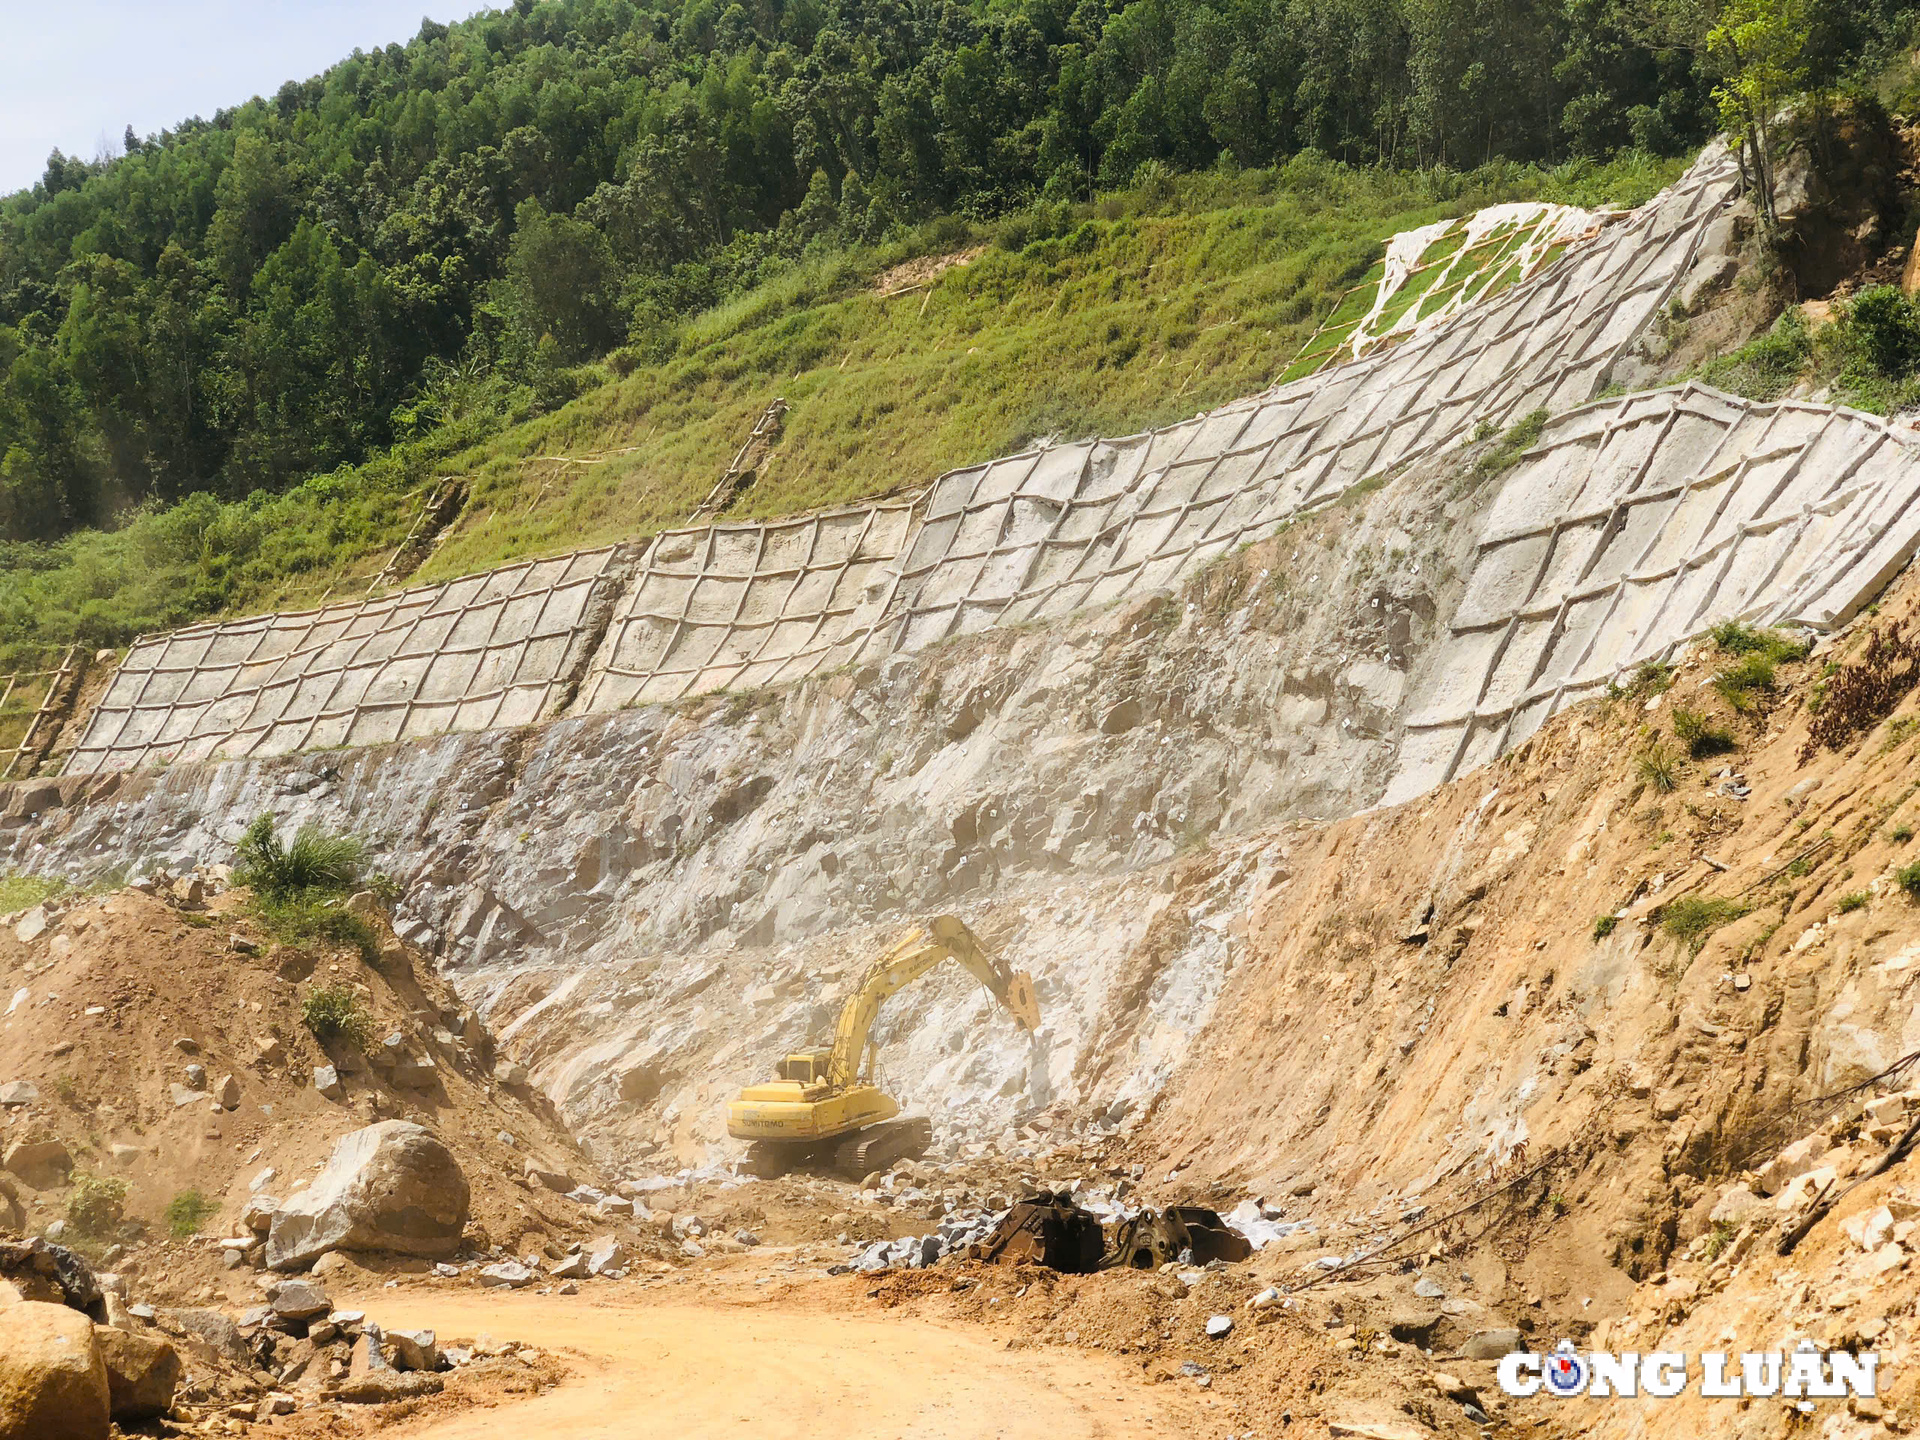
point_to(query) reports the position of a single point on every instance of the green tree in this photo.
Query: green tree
(561, 282)
(1759, 49)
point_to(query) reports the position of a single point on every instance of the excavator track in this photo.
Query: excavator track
(770, 1159)
(878, 1146)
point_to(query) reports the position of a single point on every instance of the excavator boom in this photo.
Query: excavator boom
(942, 938)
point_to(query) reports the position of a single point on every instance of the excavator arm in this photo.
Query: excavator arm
(942, 938)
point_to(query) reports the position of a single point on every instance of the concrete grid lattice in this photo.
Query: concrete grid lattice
(1067, 527)
(486, 651)
(1032, 536)
(1634, 525)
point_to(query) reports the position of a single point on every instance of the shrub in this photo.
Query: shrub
(1604, 925)
(333, 1012)
(1850, 902)
(1700, 735)
(314, 860)
(1900, 834)
(187, 1212)
(97, 1204)
(1879, 331)
(1692, 918)
(1659, 767)
(1861, 695)
(1907, 877)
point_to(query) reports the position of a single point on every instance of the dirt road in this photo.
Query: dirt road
(699, 1366)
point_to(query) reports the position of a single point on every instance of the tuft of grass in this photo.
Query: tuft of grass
(1907, 877)
(1692, 918)
(1853, 900)
(187, 1212)
(1719, 1238)
(1658, 767)
(1515, 443)
(334, 1012)
(313, 860)
(98, 1204)
(1699, 734)
(1742, 683)
(1900, 834)
(1604, 926)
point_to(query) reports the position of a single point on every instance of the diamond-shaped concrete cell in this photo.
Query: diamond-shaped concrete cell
(1786, 514)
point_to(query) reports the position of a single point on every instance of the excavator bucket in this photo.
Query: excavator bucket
(1151, 1239)
(1022, 1003)
(1045, 1230)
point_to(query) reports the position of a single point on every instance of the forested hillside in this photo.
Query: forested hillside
(237, 304)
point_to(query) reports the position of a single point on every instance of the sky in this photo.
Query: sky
(75, 73)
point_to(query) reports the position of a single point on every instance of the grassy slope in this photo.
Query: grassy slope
(1141, 310)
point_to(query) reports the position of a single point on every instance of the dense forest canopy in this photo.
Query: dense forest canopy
(234, 305)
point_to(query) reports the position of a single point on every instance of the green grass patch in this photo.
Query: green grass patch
(1515, 443)
(1604, 925)
(1692, 918)
(21, 892)
(1850, 902)
(334, 1012)
(1769, 365)
(1737, 639)
(1743, 683)
(307, 919)
(187, 1212)
(1907, 877)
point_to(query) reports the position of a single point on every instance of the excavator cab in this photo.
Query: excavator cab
(809, 1067)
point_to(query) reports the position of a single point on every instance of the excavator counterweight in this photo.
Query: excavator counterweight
(823, 1107)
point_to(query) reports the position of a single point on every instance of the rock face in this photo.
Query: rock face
(53, 1382)
(392, 1186)
(142, 1371)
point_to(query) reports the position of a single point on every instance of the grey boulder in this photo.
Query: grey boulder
(392, 1186)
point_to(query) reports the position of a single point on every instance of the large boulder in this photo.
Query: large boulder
(142, 1371)
(36, 1269)
(53, 1382)
(392, 1186)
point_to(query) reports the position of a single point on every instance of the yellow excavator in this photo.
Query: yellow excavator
(822, 1110)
